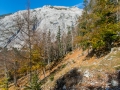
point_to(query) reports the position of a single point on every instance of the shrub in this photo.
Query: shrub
(52, 77)
(35, 84)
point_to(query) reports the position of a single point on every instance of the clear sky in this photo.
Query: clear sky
(11, 6)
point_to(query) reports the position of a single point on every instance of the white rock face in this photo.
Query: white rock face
(49, 18)
(114, 83)
(87, 74)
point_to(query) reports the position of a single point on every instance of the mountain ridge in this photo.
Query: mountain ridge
(49, 18)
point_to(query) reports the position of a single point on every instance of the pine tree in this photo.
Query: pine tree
(49, 46)
(69, 39)
(58, 38)
(35, 83)
(97, 26)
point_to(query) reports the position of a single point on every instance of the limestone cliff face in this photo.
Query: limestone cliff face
(49, 18)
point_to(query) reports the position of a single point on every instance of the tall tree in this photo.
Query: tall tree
(58, 38)
(6, 70)
(26, 24)
(49, 46)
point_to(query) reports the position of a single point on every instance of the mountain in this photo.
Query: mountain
(2, 16)
(49, 18)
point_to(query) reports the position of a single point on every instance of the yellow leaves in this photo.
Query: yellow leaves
(35, 55)
(35, 67)
(3, 89)
(78, 39)
(96, 42)
(37, 59)
(23, 69)
(37, 52)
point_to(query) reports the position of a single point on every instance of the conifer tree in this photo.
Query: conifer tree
(97, 26)
(49, 46)
(58, 38)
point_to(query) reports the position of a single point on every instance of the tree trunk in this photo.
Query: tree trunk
(44, 72)
(5, 70)
(15, 73)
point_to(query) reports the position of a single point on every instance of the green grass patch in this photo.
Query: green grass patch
(117, 67)
(52, 77)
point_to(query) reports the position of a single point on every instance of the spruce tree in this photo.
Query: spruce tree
(58, 38)
(97, 26)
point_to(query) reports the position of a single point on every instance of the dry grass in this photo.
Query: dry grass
(76, 59)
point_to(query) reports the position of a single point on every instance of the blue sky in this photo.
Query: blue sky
(11, 6)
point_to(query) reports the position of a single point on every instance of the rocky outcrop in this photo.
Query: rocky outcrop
(88, 80)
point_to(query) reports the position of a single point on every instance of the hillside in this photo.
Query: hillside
(76, 71)
(32, 39)
(61, 48)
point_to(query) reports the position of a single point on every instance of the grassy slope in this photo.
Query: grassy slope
(76, 59)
